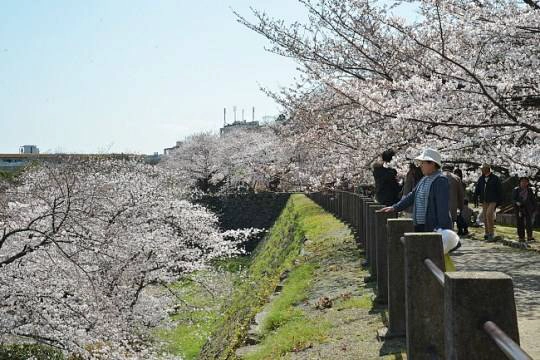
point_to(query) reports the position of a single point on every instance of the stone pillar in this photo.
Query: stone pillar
(382, 255)
(341, 205)
(352, 205)
(354, 210)
(349, 217)
(367, 228)
(359, 221)
(424, 297)
(373, 238)
(345, 208)
(396, 276)
(471, 299)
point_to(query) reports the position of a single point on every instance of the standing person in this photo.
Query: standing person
(462, 222)
(525, 206)
(459, 173)
(411, 179)
(429, 199)
(456, 192)
(488, 191)
(386, 183)
(430, 196)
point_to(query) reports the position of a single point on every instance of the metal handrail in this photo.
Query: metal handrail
(434, 269)
(508, 346)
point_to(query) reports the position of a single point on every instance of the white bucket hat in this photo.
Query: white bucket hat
(430, 155)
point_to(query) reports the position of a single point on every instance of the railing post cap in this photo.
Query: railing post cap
(421, 234)
(400, 220)
(478, 275)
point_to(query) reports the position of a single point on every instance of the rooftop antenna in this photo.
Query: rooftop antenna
(253, 114)
(234, 110)
(243, 120)
(224, 116)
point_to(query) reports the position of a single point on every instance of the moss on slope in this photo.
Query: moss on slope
(272, 257)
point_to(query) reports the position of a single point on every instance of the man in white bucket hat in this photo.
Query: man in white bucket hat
(430, 155)
(430, 196)
(430, 201)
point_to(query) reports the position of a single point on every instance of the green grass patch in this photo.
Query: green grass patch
(294, 336)
(294, 291)
(188, 338)
(199, 309)
(194, 324)
(234, 264)
(363, 302)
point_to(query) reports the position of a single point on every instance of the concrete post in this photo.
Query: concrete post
(360, 221)
(344, 206)
(373, 238)
(354, 222)
(472, 298)
(340, 212)
(396, 276)
(349, 208)
(367, 228)
(424, 302)
(352, 205)
(382, 255)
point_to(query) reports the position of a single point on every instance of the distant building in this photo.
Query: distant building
(28, 149)
(239, 125)
(168, 151)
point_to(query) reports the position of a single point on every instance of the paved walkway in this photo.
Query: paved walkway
(524, 268)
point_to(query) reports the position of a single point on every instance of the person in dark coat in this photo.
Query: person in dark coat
(386, 183)
(411, 179)
(456, 193)
(464, 219)
(525, 206)
(489, 192)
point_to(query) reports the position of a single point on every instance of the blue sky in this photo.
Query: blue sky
(131, 76)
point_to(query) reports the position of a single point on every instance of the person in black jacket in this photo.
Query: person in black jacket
(488, 191)
(387, 187)
(525, 206)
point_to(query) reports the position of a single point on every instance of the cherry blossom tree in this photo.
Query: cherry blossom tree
(237, 161)
(462, 77)
(88, 250)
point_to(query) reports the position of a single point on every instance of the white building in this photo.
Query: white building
(28, 149)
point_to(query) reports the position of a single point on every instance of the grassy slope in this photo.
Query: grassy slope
(295, 327)
(273, 256)
(287, 328)
(199, 311)
(292, 325)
